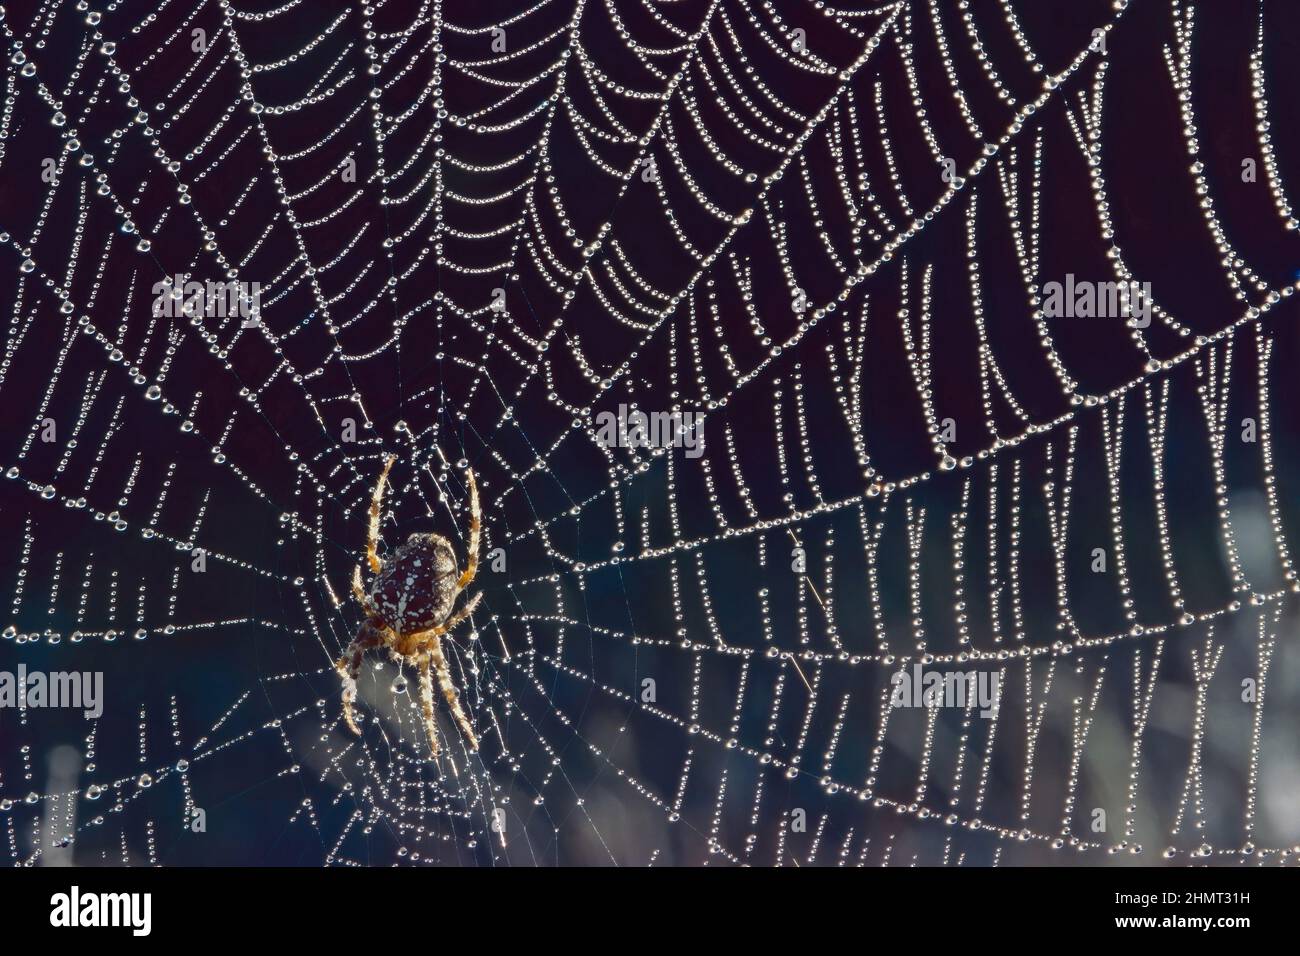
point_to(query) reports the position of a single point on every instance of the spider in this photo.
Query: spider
(409, 608)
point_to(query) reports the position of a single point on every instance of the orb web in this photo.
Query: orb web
(825, 233)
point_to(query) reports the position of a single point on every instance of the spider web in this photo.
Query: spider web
(825, 229)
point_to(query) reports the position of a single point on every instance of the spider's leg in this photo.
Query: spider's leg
(372, 532)
(471, 568)
(459, 616)
(426, 702)
(349, 668)
(432, 652)
(359, 593)
(449, 689)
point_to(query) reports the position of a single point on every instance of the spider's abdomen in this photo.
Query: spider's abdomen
(416, 587)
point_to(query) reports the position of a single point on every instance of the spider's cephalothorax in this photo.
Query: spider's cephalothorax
(409, 607)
